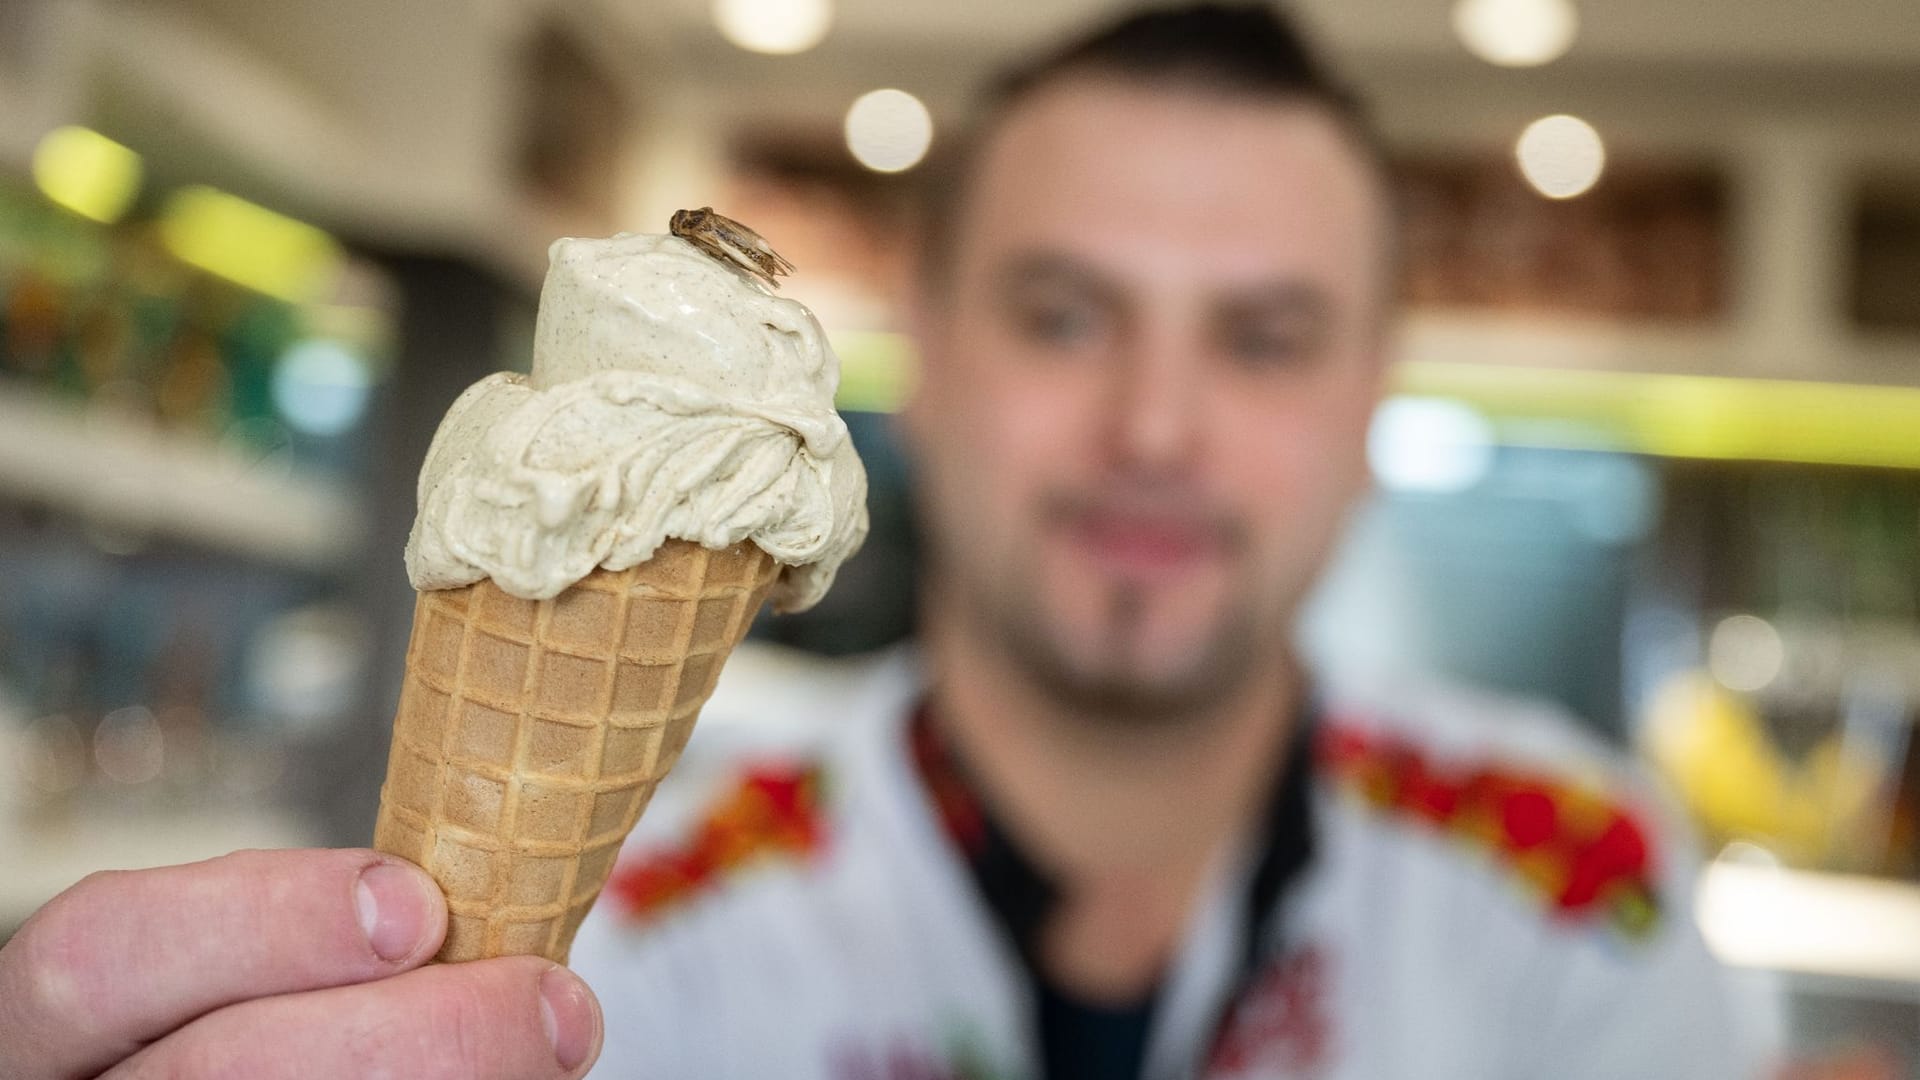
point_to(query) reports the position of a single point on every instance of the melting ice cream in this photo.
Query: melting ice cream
(671, 396)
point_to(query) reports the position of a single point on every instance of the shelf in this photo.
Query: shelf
(123, 475)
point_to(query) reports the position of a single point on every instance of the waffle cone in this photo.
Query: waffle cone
(530, 734)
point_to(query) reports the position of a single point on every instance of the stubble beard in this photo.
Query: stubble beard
(1113, 681)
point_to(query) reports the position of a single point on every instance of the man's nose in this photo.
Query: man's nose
(1157, 418)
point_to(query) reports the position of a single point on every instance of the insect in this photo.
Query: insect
(729, 241)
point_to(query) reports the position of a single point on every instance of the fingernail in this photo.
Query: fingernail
(572, 1021)
(392, 909)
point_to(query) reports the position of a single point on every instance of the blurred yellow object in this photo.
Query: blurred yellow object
(1847, 785)
(1715, 749)
(877, 370)
(1711, 743)
(250, 244)
(87, 173)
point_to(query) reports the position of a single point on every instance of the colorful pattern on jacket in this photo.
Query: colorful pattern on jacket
(1582, 853)
(769, 814)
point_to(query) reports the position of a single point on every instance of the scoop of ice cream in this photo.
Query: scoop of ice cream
(671, 396)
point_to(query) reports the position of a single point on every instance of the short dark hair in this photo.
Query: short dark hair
(1235, 49)
(1241, 48)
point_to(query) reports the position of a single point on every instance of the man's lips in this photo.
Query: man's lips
(1145, 544)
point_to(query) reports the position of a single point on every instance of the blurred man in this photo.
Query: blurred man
(1100, 823)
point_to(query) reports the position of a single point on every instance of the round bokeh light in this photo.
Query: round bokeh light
(321, 387)
(780, 27)
(1516, 33)
(889, 130)
(1561, 156)
(1435, 446)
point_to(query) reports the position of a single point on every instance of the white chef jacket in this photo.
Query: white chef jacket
(792, 906)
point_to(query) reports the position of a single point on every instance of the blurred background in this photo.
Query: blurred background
(1654, 451)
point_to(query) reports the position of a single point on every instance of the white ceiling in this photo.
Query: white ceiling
(1713, 31)
(400, 117)
(1856, 56)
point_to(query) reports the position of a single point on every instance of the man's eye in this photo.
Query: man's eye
(1262, 346)
(1057, 324)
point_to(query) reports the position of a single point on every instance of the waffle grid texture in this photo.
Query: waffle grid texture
(531, 734)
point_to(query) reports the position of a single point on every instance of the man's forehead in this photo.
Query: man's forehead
(1095, 163)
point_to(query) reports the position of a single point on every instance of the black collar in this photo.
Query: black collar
(1022, 898)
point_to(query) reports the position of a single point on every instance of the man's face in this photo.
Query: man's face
(1146, 386)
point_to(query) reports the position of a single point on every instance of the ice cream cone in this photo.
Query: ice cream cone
(531, 733)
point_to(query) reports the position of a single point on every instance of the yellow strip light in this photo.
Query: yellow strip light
(251, 245)
(1688, 416)
(87, 173)
(1677, 416)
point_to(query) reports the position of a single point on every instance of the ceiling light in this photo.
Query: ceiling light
(889, 130)
(1516, 33)
(780, 27)
(1561, 156)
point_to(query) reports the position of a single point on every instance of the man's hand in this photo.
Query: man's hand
(276, 964)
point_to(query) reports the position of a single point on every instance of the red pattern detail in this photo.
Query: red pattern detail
(1581, 853)
(770, 813)
(1279, 1023)
(1529, 817)
(953, 800)
(899, 1061)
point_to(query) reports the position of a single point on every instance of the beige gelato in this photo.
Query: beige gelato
(671, 396)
